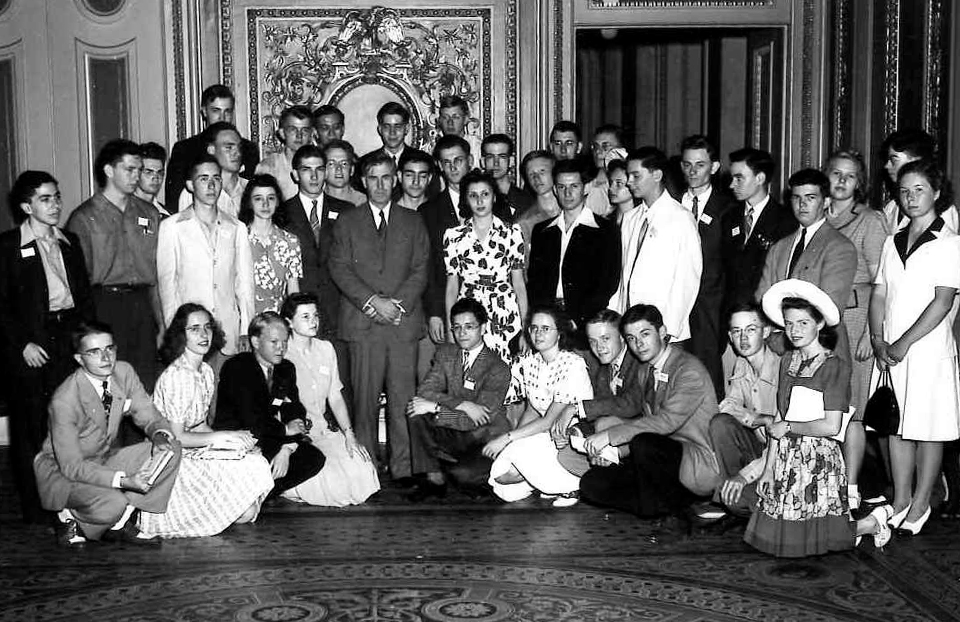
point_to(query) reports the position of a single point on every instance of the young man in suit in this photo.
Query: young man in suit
(575, 257)
(380, 260)
(498, 157)
(752, 225)
(258, 392)
(216, 104)
(44, 294)
(670, 456)
(662, 263)
(459, 405)
(96, 486)
(700, 162)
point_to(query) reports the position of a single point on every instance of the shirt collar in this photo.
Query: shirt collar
(307, 203)
(757, 208)
(376, 211)
(702, 198)
(658, 362)
(98, 383)
(473, 354)
(812, 229)
(27, 235)
(585, 218)
(618, 362)
(769, 367)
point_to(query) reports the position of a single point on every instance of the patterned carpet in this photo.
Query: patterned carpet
(464, 560)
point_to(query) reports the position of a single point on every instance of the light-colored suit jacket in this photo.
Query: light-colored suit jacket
(219, 277)
(82, 433)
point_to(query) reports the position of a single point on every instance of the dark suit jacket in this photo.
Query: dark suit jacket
(24, 297)
(444, 382)
(316, 256)
(600, 376)
(590, 271)
(82, 434)
(684, 405)
(244, 402)
(433, 188)
(363, 264)
(744, 259)
(711, 245)
(184, 153)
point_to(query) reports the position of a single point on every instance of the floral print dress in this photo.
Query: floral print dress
(484, 268)
(276, 259)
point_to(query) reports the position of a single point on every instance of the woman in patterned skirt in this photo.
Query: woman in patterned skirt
(277, 264)
(802, 508)
(484, 261)
(220, 481)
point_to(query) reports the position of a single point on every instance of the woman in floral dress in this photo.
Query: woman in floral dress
(277, 264)
(484, 261)
(211, 493)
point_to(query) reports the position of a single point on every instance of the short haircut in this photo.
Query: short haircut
(498, 139)
(245, 214)
(536, 154)
(292, 302)
(86, 328)
(111, 153)
(216, 91)
(569, 166)
(566, 126)
(450, 141)
(375, 159)
(175, 337)
(393, 108)
(209, 135)
(860, 194)
(262, 320)
(934, 176)
(301, 113)
(699, 141)
(325, 111)
(469, 305)
(153, 151)
(610, 128)
(637, 313)
(24, 188)
(810, 177)
(651, 158)
(747, 306)
(913, 142)
(338, 143)
(454, 101)
(565, 326)
(204, 158)
(476, 176)
(756, 160)
(415, 156)
(605, 316)
(308, 151)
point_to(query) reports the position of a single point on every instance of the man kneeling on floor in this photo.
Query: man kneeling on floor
(670, 457)
(98, 487)
(459, 406)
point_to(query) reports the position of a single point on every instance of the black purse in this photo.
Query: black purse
(882, 413)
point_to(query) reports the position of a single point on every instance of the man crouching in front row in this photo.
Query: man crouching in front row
(99, 488)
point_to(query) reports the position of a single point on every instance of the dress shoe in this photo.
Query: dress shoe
(426, 490)
(883, 533)
(404, 482)
(69, 534)
(131, 534)
(897, 518)
(707, 512)
(908, 528)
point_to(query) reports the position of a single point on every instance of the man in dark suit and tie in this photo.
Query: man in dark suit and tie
(380, 259)
(459, 405)
(44, 294)
(700, 161)
(752, 226)
(258, 392)
(575, 257)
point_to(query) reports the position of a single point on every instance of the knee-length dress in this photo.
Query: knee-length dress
(484, 269)
(926, 380)
(208, 495)
(343, 480)
(806, 514)
(535, 457)
(276, 260)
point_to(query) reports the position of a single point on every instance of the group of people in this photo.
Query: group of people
(566, 337)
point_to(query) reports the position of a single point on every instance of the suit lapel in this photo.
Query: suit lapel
(90, 402)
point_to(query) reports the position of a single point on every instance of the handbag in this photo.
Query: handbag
(882, 413)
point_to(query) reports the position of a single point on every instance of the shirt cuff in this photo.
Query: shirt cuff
(752, 471)
(119, 475)
(166, 433)
(367, 303)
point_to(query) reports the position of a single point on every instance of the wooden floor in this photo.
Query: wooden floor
(464, 559)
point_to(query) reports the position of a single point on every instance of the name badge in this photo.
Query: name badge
(706, 219)
(27, 252)
(277, 401)
(143, 222)
(127, 403)
(659, 376)
(618, 383)
(469, 385)
(333, 215)
(735, 232)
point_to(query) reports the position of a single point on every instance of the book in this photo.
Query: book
(151, 469)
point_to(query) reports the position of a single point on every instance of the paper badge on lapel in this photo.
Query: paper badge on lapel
(28, 252)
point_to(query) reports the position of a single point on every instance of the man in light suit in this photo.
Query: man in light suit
(380, 259)
(81, 472)
(203, 256)
(670, 455)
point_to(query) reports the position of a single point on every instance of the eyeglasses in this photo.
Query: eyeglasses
(102, 353)
(749, 331)
(458, 328)
(541, 329)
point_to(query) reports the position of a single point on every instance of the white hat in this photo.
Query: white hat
(795, 288)
(617, 153)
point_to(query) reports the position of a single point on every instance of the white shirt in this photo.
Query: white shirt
(472, 355)
(811, 230)
(376, 213)
(226, 203)
(307, 204)
(757, 210)
(687, 200)
(586, 218)
(455, 198)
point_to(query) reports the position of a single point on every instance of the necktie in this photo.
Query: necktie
(270, 379)
(650, 390)
(107, 398)
(797, 251)
(696, 207)
(643, 234)
(747, 223)
(615, 370)
(315, 223)
(465, 360)
(381, 222)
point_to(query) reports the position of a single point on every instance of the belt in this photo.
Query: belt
(122, 289)
(56, 317)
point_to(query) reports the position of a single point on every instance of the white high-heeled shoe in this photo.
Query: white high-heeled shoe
(897, 518)
(908, 528)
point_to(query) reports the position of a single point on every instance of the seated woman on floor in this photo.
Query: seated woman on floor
(221, 482)
(348, 477)
(548, 379)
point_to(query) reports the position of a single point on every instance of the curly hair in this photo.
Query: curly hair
(175, 337)
(565, 326)
(246, 214)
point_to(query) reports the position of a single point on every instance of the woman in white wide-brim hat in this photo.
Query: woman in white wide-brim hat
(802, 508)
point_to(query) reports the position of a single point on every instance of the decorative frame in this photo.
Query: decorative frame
(933, 61)
(840, 88)
(806, 93)
(676, 4)
(891, 79)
